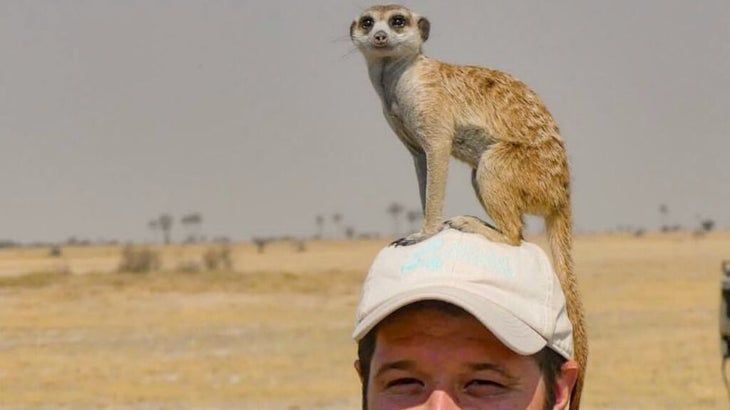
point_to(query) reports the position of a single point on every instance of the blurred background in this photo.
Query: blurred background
(260, 117)
(192, 193)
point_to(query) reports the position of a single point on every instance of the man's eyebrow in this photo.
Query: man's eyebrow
(397, 365)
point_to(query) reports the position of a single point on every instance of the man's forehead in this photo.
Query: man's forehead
(416, 322)
(428, 339)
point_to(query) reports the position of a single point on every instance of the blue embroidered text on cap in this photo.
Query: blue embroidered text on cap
(431, 256)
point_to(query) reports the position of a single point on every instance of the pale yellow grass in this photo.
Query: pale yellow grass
(280, 256)
(276, 333)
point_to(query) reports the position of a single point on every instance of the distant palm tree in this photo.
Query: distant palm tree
(319, 220)
(154, 226)
(395, 209)
(165, 221)
(414, 216)
(664, 211)
(193, 221)
(337, 219)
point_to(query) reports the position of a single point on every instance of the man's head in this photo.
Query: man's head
(460, 322)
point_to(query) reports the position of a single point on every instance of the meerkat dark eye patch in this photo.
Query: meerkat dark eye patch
(366, 23)
(398, 21)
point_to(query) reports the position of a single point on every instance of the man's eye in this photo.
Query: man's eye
(402, 381)
(398, 21)
(366, 22)
(483, 387)
(404, 385)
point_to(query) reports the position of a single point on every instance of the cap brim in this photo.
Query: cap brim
(511, 331)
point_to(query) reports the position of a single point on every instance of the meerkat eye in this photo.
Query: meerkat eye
(398, 21)
(367, 22)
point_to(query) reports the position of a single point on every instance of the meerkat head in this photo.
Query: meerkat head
(389, 31)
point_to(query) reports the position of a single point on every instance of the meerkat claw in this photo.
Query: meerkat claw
(399, 242)
(410, 239)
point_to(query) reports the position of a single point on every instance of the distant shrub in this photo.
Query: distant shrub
(218, 258)
(55, 251)
(188, 267)
(32, 280)
(138, 260)
(8, 244)
(300, 245)
(707, 225)
(350, 232)
(261, 243)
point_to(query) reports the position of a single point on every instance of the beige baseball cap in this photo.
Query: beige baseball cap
(512, 290)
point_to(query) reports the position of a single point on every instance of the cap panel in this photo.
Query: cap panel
(478, 275)
(509, 329)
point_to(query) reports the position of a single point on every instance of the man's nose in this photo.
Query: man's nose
(380, 37)
(441, 400)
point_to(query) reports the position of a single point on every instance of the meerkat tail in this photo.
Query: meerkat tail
(560, 238)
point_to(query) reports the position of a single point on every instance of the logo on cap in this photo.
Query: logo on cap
(431, 255)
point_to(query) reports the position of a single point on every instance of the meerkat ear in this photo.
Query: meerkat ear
(352, 27)
(424, 27)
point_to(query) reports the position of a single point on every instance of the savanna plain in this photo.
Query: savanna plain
(272, 330)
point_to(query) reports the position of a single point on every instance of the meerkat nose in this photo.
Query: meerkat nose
(380, 37)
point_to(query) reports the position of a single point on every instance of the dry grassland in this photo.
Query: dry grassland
(275, 334)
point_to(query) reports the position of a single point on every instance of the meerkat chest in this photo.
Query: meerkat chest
(395, 94)
(400, 118)
(403, 131)
(396, 90)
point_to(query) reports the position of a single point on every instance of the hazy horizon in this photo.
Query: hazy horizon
(260, 115)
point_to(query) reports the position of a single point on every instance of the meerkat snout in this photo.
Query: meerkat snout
(380, 39)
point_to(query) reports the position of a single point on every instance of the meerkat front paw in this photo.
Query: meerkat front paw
(411, 239)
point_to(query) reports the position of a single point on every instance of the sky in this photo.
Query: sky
(260, 115)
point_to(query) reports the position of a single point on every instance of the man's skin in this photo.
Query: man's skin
(428, 359)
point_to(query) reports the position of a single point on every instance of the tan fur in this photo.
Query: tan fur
(485, 118)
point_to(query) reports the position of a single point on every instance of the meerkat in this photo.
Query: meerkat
(485, 118)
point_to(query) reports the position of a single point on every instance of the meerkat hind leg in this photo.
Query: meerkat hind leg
(472, 224)
(506, 216)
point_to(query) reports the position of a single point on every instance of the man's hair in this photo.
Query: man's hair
(548, 360)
